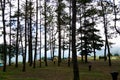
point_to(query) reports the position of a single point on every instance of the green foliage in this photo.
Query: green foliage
(13, 50)
(110, 54)
(84, 1)
(90, 12)
(30, 10)
(90, 39)
(116, 54)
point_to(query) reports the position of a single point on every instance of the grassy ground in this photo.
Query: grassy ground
(100, 71)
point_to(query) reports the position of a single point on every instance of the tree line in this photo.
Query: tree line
(64, 25)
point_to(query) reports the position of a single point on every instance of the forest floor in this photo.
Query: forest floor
(100, 71)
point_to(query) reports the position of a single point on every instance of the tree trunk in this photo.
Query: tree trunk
(59, 32)
(45, 25)
(94, 52)
(17, 40)
(105, 55)
(74, 54)
(30, 42)
(86, 53)
(24, 53)
(69, 34)
(21, 43)
(40, 36)
(52, 44)
(81, 37)
(63, 46)
(36, 41)
(10, 35)
(4, 35)
(105, 31)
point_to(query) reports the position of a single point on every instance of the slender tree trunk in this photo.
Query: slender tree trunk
(28, 40)
(106, 38)
(50, 39)
(52, 44)
(107, 43)
(17, 40)
(85, 41)
(30, 44)
(115, 17)
(63, 46)
(81, 48)
(51, 50)
(74, 54)
(10, 35)
(105, 55)
(36, 41)
(69, 34)
(53, 47)
(59, 32)
(86, 53)
(69, 56)
(4, 35)
(21, 42)
(40, 35)
(94, 52)
(24, 53)
(45, 25)
(81, 37)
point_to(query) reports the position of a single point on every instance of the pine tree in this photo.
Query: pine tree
(4, 35)
(24, 54)
(10, 7)
(30, 37)
(40, 34)
(17, 35)
(106, 30)
(59, 31)
(36, 41)
(69, 33)
(45, 25)
(74, 54)
(88, 40)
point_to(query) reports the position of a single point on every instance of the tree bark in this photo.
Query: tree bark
(10, 35)
(24, 53)
(40, 36)
(45, 25)
(59, 32)
(36, 41)
(69, 34)
(4, 35)
(105, 31)
(74, 54)
(30, 42)
(17, 40)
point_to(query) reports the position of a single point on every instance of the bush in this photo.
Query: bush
(116, 54)
(110, 54)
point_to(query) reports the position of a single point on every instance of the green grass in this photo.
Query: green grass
(100, 71)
